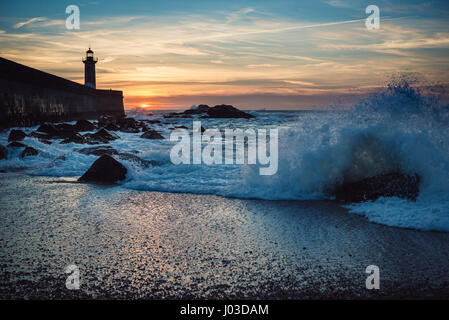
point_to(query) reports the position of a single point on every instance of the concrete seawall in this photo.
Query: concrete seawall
(29, 96)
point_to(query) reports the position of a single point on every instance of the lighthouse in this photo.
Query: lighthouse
(89, 69)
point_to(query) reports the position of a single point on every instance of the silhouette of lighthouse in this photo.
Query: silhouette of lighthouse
(89, 69)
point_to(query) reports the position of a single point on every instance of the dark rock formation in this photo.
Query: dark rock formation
(104, 170)
(152, 134)
(227, 111)
(219, 111)
(3, 152)
(16, 144)
(16, 135)
(39, 135)
(29, 151)
(383, 185)
(103, 136)
(75, 138)
(111, 127)
(84, 125)
(49, 129)
(99, 151)
(202, 108)
(144, 127)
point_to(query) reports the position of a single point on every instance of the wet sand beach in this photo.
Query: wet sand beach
(154, 245)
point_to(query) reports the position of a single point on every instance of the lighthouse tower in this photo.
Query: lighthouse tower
(89, 69)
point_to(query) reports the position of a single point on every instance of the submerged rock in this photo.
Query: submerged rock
(383, 185)
(16, 135)
(29, 151)
(104, 170)
(3, 152)
(152, 134)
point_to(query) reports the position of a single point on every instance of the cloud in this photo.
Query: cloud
(262, 65)
(21, 24)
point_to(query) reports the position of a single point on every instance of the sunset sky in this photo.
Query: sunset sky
(253, 54)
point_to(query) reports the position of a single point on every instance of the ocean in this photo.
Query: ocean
(396, 129)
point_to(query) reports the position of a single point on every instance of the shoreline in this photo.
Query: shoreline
(159, 245)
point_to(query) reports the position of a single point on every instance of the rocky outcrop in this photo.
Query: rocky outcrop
(84, 125)
(383, 185)
(219, 111)
(103, 136)
(104, 170)
(16, 135)
(75, 137)
(227, 111)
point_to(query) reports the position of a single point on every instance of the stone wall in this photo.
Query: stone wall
(29, 97)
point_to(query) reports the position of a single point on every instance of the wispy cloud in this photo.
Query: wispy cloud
(24, 23)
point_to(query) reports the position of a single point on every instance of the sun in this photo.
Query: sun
(145, 105)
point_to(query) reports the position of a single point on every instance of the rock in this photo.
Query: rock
(16, 135)
(60, 131)
(84, 125)
(383, 185)
(152, 134)
(144, 127)
(65, 128)
(3, 152)
(202, 108)
(48, 128)
(127, 124)
(39, 135)
(105, 120)
(103, 136)
(16, 144)
(99, 151)
(112, 127)
(75, 138)
(104, 170)
(227, 111)
(29, 151)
